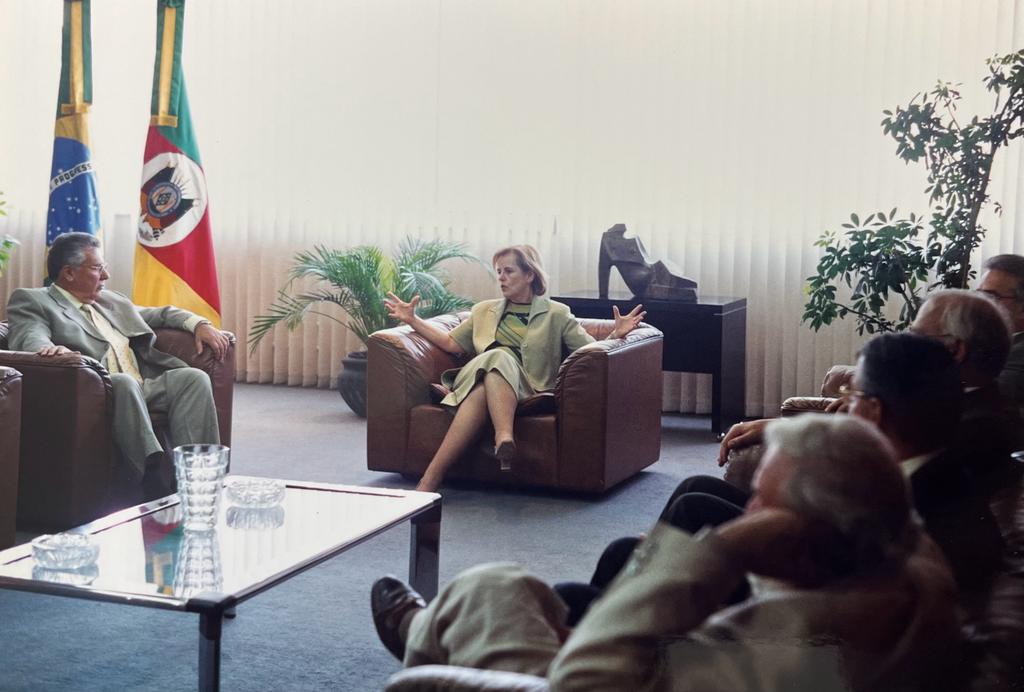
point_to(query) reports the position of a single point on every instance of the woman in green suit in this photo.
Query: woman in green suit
(516, 342)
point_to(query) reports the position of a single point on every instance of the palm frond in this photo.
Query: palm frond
(417, 254)
(288, 309)
(359, 279)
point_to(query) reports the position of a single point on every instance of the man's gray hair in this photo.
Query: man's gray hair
(68, 250)
(846, 477)
(978, 321)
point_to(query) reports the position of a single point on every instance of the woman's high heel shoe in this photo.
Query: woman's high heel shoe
(654, 280)
(505, 453)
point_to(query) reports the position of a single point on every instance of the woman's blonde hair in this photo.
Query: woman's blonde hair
(528, 260)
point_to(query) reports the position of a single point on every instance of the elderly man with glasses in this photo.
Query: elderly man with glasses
(977, 333)
(1003, 280)
(78, 314)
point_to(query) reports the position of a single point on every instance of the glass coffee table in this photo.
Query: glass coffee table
(147, 559)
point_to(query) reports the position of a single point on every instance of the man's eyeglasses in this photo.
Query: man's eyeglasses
(996, 295)
(95, 267)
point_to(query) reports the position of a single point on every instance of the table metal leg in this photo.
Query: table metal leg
(424, 551)
(210, 626)
(729, 382)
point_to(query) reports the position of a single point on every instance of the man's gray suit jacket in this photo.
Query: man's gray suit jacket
(43, 316)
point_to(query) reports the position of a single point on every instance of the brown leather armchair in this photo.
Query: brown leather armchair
(600, 425)
(69, 469)
(10, 433)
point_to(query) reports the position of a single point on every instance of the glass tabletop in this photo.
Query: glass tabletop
(144, 552)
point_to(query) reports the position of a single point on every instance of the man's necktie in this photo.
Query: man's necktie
(120, 358)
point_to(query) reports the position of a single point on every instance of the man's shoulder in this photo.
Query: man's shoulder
(28, 293)
(26, 297)
(1017, 349)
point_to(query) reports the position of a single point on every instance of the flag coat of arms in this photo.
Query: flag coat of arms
(174, 260)
(74, 205)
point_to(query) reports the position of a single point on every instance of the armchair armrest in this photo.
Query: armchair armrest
(609, 403)
(836, 377)
(459, 679)
(66, 405)
(796, 405)
(182, 344)
(401, 366)
(10, 431)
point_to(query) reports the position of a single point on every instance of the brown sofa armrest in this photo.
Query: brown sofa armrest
(401, 366)
(458, 679)
(182, 344)
(609, 404)
(795, 405)
(66, 407)
(10, 431)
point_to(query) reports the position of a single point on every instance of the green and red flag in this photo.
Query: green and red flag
(74, 205)
(174, 261)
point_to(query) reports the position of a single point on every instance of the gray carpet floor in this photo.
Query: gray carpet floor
(314, 632)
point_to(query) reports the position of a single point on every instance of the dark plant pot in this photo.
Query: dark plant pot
(352, 382)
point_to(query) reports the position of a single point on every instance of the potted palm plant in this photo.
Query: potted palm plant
(358, 280)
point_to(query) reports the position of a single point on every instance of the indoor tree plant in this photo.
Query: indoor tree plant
(358, 280)
(885, 255)
(7, 243)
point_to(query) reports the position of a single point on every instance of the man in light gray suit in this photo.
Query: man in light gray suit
(76, 314)
(850, 593)
(1003, 280)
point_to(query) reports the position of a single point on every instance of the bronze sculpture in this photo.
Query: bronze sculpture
(660, 280)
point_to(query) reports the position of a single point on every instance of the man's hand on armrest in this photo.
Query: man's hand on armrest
(54, 350)
(217, 340)
(741, 435)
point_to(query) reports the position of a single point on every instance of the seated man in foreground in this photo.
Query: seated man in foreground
(76, 314)
(851, 594)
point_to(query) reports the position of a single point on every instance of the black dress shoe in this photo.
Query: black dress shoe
(391, 600)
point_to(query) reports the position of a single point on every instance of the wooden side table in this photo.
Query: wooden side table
(709, 336)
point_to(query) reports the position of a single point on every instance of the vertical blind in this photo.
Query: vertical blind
(727, 135)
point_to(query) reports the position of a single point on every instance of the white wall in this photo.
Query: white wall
(728, 134)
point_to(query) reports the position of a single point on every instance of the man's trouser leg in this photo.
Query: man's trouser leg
(492, 617)
(132, 429)
(186, 396)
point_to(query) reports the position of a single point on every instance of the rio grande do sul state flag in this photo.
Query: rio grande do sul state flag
(174, 262)
(74, 205)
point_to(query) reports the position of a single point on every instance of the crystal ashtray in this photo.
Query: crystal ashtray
(65, 551)
(255, 518)
(83, 576)
(256, 493)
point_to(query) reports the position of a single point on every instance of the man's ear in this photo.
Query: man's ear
(959, 351)
(871, 409)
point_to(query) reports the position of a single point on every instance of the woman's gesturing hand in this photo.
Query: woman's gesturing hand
(624, 324)
(399, 309)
